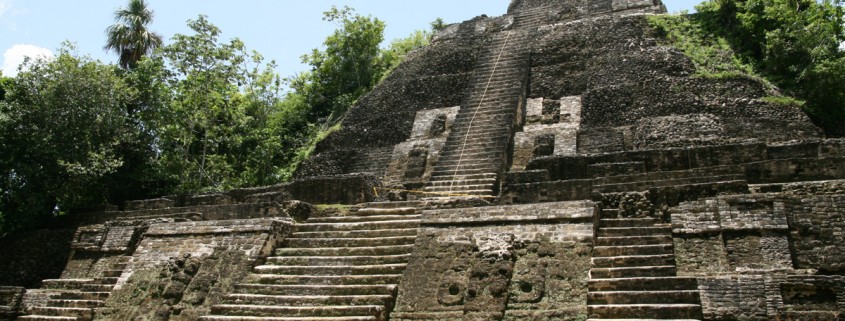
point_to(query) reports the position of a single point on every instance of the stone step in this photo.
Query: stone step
(429, 316)
(474, 143)
(507, 90)
(458, 158)
(632, 272)
(633, 260)
(458, 187)
(381, 225)
(112, 273)
(485, 119)
(79, 295)
(483, 146)
(106, 280)
(64, 303)
(609, 251)
(80, 313)
(656, 311)
(498, 63)
(356, 233)
(119, 266)
(663, 176)
(472, 148)
(503, 97)
(444, 181)
(661, 229)
(643, 284)
(253, 318)
(46, 318)
(316, 290)
(347, 251)
(355, 219)
(97, 287)
(502, 87)
(640, 297)
(457, 175)
(486, 164)
(485, 181)
(297, 311)
(641, 319)
(630, 184)
(490, 175)
(472, 193)
(331, 270)
(325, 279)
(501, 63)
(627, 222)
(474, 139)
(307, 300)
(65, 284)
(392, 205)
(338, 260)
(486, 116)
(510, 65)
(375, 211)
(478, 131)
(633, 240)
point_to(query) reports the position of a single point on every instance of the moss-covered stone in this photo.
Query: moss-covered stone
(182, 290)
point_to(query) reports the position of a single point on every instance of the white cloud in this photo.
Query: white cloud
(5, 6)
(15, 56)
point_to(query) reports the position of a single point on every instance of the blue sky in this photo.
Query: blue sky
(279, 29)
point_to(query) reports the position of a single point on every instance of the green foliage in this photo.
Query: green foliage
(712, 54)
(784, 100)
(400, 48)
(794, 44)
(218, 130)
(130, 36)
(63, 123)
(5, 86)
(200, 114)
(348, 67)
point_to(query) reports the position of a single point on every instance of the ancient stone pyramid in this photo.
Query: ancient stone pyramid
(555, 163)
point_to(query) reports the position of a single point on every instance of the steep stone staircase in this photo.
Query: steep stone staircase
(79, 297)
(344, 268)
(476, 149)
(633, 274)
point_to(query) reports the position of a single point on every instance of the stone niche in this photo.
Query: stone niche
(525, 262)
(551, 127)
(413, 160)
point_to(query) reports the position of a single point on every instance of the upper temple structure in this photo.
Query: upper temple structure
(559, 162)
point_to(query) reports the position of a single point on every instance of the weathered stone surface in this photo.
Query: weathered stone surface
(583, 172)
(28, 259)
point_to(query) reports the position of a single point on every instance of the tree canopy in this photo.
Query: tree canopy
(62, 124)
(794, 44)
(198, 114)
(130, 36)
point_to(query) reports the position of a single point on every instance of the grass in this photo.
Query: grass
(712, 55)
(784, 100)
(305, 152)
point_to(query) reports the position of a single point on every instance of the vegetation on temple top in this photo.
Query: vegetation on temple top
(795, 45)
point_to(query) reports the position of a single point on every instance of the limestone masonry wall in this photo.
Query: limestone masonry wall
(606, 182)
(511, 262)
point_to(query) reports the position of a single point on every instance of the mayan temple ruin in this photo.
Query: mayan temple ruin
(560, 162)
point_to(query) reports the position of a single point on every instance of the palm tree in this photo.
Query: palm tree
(129, 36)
